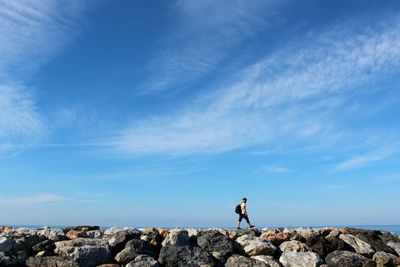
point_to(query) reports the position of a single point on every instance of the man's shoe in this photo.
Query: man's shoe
(251, 226)
(238, 228)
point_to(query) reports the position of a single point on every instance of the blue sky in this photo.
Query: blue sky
(167, 113)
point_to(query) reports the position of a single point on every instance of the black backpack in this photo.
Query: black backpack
(238, 209)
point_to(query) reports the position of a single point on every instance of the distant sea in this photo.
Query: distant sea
(388, 228)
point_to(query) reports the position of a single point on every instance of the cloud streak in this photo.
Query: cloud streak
(291, 97)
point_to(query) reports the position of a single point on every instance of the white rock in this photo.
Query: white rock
(300, 259)
(294, 246)
(176, 237)
(269, 260)
(359, 245)
(253, 245)
(395, 246)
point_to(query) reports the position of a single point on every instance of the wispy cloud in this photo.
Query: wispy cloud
(203, 34)
(361, 160)
(42, 199)
(275, 169)
(31, 33)
(283, 99)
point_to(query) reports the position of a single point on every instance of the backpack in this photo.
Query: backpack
(238, 209)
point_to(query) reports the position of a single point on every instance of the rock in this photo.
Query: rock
(344, 258)
(373, 238)
(153, 238)
(215, 242)
(143, 261)
(94, 234)
(307, 233)
(323, 246)
(86, 251)
(253, 245)
(176, 237)
(184, 256)
(394, 246)
(118, 237)
(268, 260)
(53, 234)
(300, 259)
(44, 248)
(293, 246)
(54, 261)
(74, 234)
(81, 228)
(241, 261)
(359, 245)
(134, 248)
(275, 236)
(6, 244)
(382, 259)
(163, 232)
(109, 265)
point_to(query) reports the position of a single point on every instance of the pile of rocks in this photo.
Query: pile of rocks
(89, 246)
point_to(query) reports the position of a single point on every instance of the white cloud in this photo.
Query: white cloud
(31, 33)
(31, 200)
(288, 98)
(276, 169)
(360, 160)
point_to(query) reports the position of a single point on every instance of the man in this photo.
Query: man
(243, 213)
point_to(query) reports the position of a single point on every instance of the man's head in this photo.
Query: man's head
(244, 199)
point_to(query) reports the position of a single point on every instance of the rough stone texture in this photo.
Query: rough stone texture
(177, 237)
(109, 265)
(74, 234)
(300, 259)
(88, 252)
(394, 246)
(275, 236)
(382, 258)
(215, 242)
(373, 238)
(307, 233)
(184, 256)
(359, 245)
(53, 234)
(134, 248)
(268, 260)
(293, 246)
(347, 259)
(81, 228)
(55, 261)
(6, 244)
(241, 261)
(118, 237)
(253, 245)
(94, 234)
(143, 261)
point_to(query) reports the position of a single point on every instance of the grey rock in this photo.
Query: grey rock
(293, 246)
(143, 261)
(134, 248)
(184, 256)
(118, 237)
(359, 245)
(382, 259)
(395, 246)
(344, 258)
(6, 244)
(54, 261)
(253, 245)
(45, 245)
(268, 260)
(177, 237)
(86, 251)
(300, 259)
(215, 242)
(241, 261)
(53, 234)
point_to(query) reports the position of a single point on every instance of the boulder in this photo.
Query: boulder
(6, 244)
(54, 261)
(53, 234)
(293, 246)
(143, 261)
(241, 261)
(81, 228)
(300, 259)
(86, 251)
(177, 237)
(94, 234)
(153, 238)
(44, 248)
(357, 244)
(382, 259)
(218, 244)
(268, 260)
(118, 237)
(394, 246)
(253, 245)
(183, 256)
(275, 236)
(344, 258)
(373, 238)
(307, 233)
(109, 265)
(134, 248)
(74, 234)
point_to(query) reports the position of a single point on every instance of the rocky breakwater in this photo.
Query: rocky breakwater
(89, 246)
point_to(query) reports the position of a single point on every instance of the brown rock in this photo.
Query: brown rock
(74, 234)
(275, 236)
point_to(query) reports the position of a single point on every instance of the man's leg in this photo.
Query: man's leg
(240, 219)
(248, 221)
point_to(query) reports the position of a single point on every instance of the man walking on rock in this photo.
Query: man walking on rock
(242, 211)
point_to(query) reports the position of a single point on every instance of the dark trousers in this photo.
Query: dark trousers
(243, 216)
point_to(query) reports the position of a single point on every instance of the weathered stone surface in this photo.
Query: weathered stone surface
(143, 261)
(374, 238)
(183, 256)
(359, 245)
(54, 261)
(177, 237)
(153, 238)
(347, 259)
(94, 234)
(253, 245)
(81, 228)
(53, 234)
(241, 261)
(293, 246)
(6, 244)
(268, 260)
(382, 259)
(215, 242)
(307, 232)
(109, 265)
(118, 237)
(394, 246)
(300, 259)
(88, 252)
(74, 234)
(275, 236)
(134, 248)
